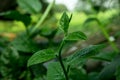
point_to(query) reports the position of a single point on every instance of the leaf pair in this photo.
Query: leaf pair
(64, 25)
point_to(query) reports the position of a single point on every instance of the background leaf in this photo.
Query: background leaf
(41, 56)
(15, 15)
(109, 71)
(90, 19)
(30, 6)
(24, 44)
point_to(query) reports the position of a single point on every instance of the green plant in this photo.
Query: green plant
(46, 60)
(61, 68)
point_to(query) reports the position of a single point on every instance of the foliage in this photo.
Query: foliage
(26, 59)
(63, 68)
(28, 5)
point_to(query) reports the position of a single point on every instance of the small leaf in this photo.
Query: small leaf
(82, 55)
(64, 22)
(41, 56)
(55, 72)
(76, 36)
(31, 6)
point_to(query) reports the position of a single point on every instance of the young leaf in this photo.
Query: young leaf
(55, 72)
(81, 55)
(76, 36)
(70, 18)
(64, 22)
(41, 56)
(31, 6)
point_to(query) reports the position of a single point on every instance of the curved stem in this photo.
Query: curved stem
(61, 62)
(113, 45)
(45, 14)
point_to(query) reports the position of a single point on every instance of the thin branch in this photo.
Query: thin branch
(43, 17)
(61, 62)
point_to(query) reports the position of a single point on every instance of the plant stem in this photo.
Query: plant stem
(45, 14)
(61, 62)
(113, 45)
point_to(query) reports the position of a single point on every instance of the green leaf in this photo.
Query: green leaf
(76, 36)
(64, 22)
(31, 6)
(55, 72)
(81, 55)
(109, 70)
(15, 15)
(41, 56)
(90, 19)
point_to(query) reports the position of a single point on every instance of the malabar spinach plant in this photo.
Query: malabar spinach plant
(60, 67)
